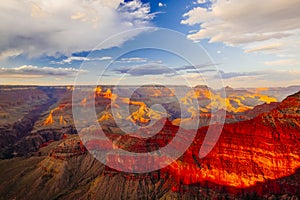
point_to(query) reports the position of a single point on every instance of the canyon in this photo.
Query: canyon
(256, 156)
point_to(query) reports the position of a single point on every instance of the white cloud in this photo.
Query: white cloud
(201, 1)
(160, 4)
(133, 59)
(250, 24)
(27, 71)
(134, 12)
(78, 58)
(54, 27)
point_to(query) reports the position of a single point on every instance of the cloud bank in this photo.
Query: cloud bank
(256, 26)
(79, 58)
(158, 68)
(143, 70)
(38, 72)
(63, 27)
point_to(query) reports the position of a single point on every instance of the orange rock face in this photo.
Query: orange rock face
(248, 153)
(56, 112)
(264, 148)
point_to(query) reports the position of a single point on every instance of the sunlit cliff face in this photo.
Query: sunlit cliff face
(145, 114)
(53, 115)
(71, 88)
(233, 102)
(264, 148)
(142, 113)
(107, 94)
(207, 99)
(98, 91)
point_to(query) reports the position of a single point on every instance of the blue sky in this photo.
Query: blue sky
(247, 46)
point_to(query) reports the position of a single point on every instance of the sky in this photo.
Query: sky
(249, 43)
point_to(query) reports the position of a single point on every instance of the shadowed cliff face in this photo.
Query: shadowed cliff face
(21, 108)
